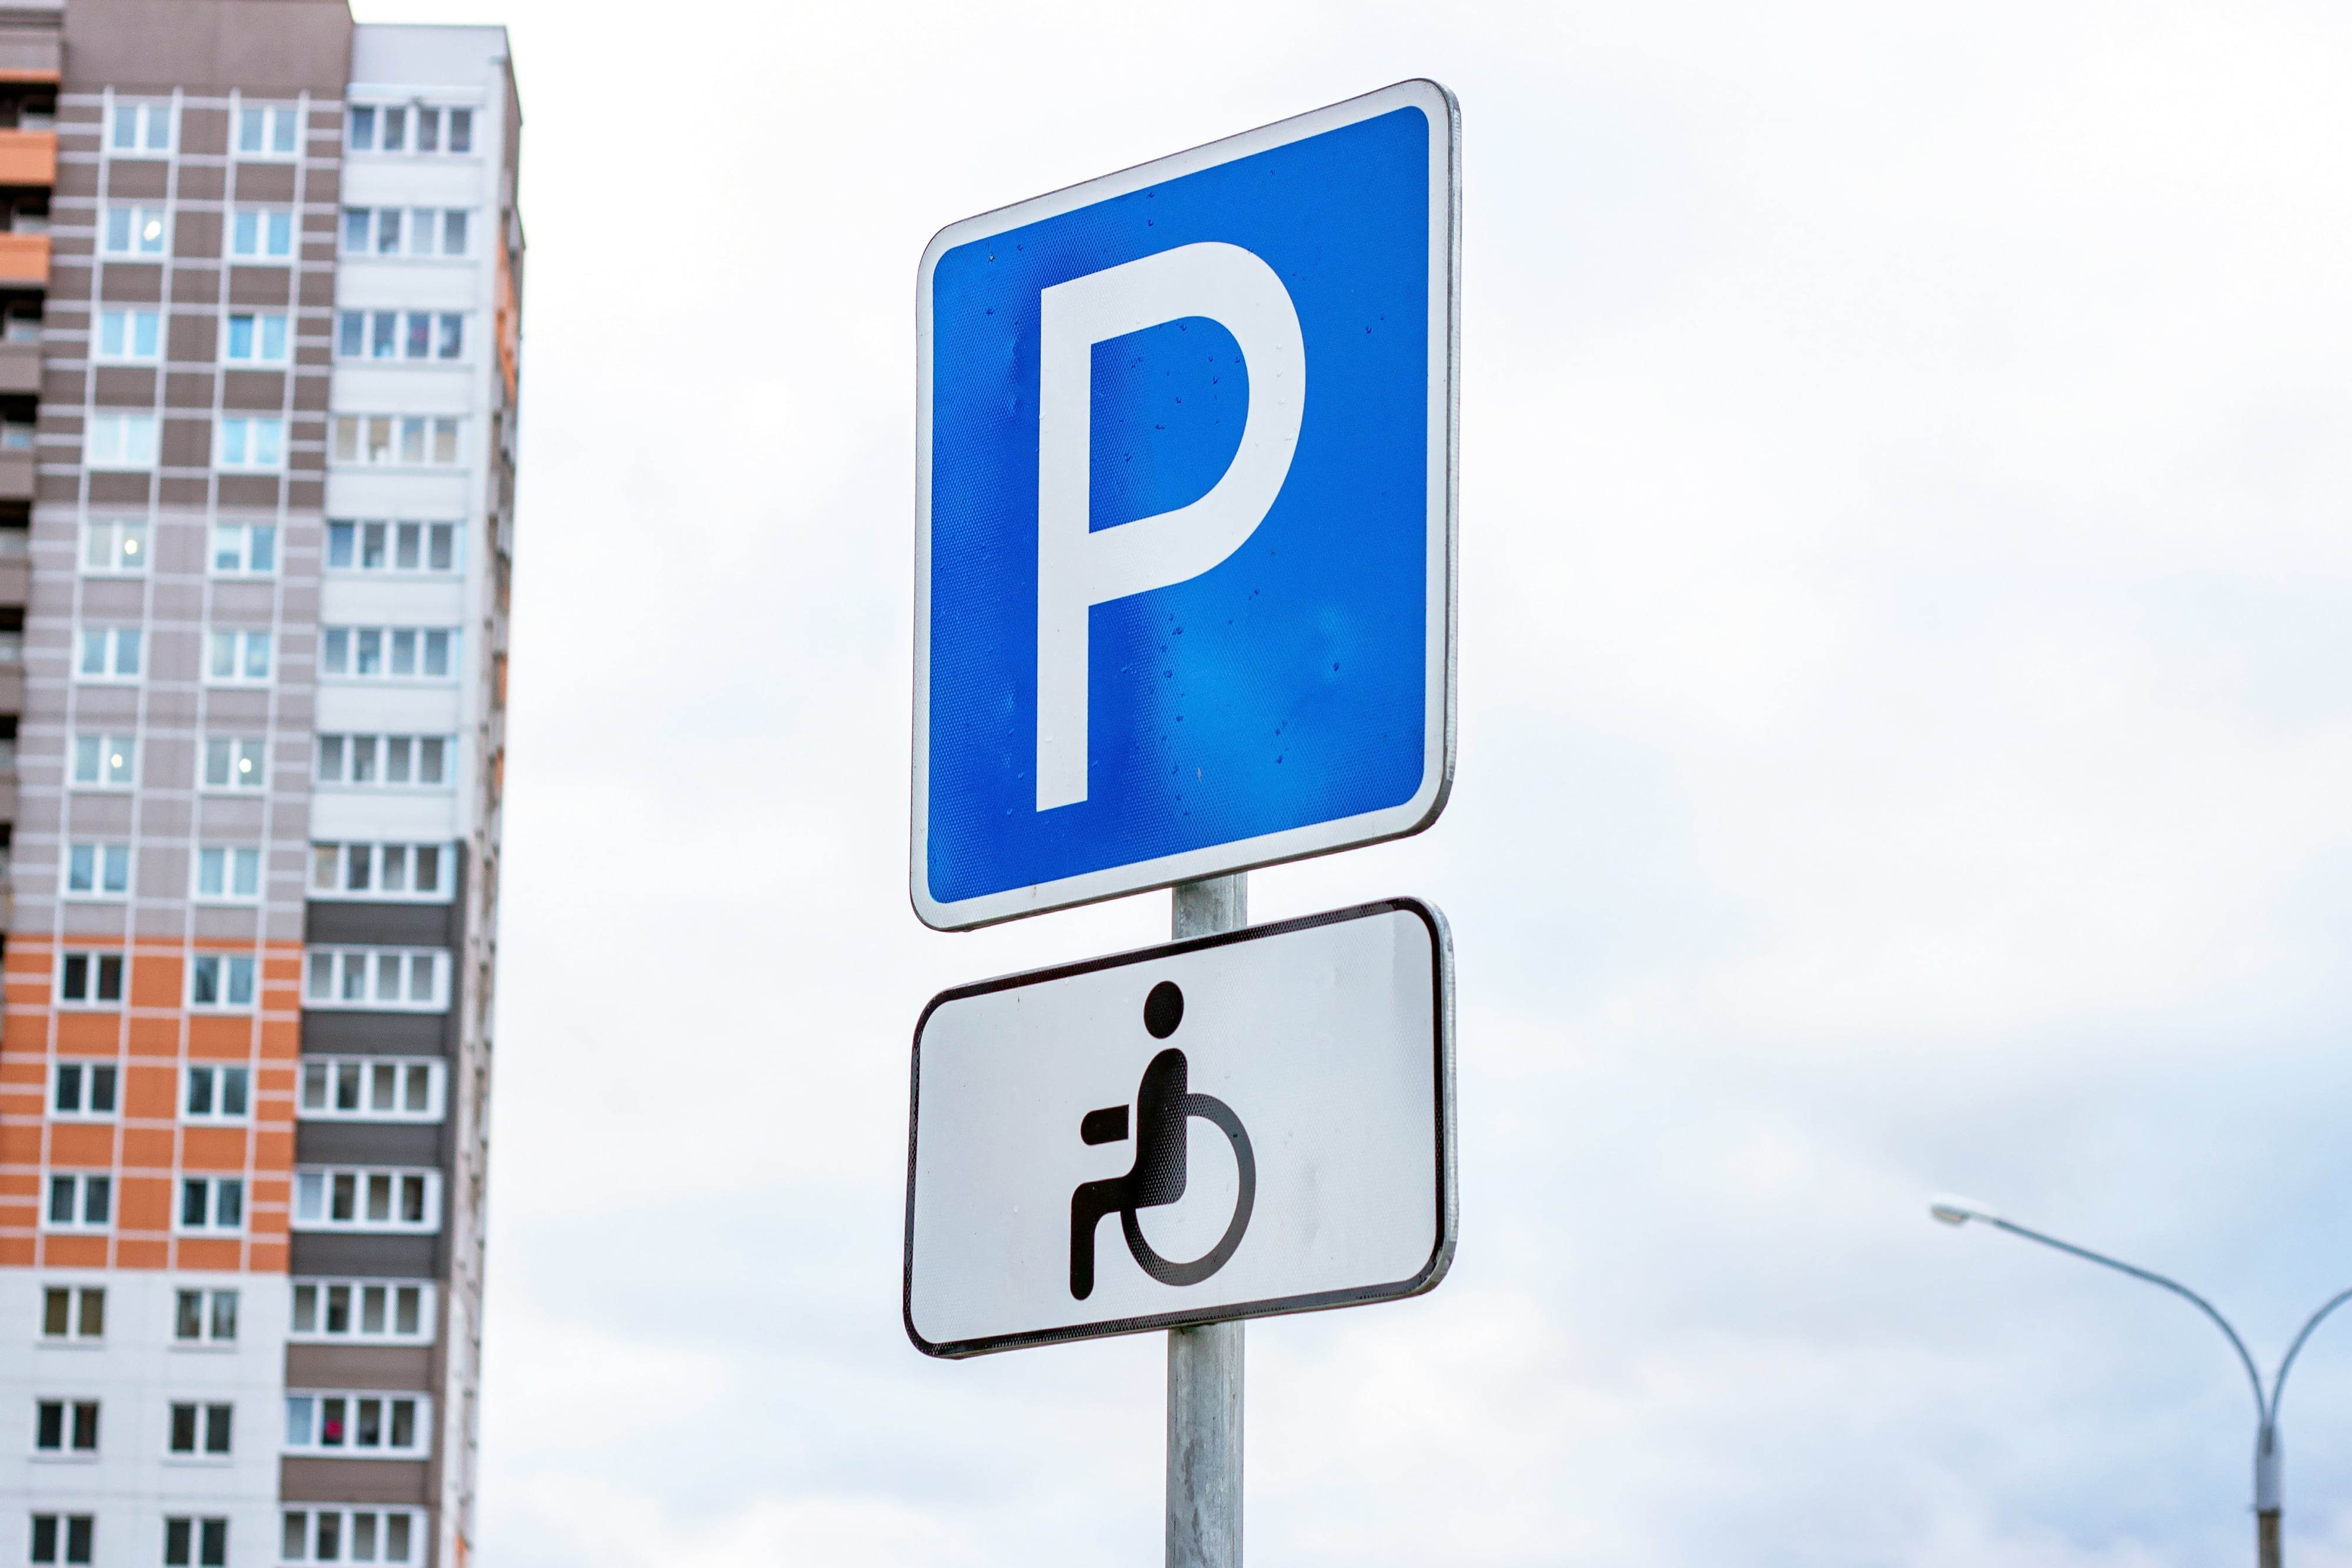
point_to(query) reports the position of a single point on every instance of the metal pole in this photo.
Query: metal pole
(1204, 1363)
(2267, 1491)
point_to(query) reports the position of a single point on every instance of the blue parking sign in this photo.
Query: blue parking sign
(1184, 583)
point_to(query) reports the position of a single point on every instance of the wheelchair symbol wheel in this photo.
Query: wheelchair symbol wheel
(1163, 1105)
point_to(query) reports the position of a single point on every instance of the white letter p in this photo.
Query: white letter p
(1078, 567)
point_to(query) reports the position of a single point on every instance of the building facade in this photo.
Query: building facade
(260, 285)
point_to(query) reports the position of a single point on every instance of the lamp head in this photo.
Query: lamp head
(1955, 1210)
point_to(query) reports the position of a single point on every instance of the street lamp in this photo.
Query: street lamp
(1960, 1211)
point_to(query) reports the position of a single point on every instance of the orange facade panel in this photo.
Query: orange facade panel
(24, 260)
(28, 157)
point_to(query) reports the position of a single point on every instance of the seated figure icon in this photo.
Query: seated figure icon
(1159, 1176)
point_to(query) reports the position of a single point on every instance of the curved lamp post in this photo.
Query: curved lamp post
(1960, 1211)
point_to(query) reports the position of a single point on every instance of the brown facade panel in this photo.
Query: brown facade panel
(15, 581)
(260, 45)
(12, 689)
(178, 491)
(193, 336)
(403, 1367)
(78, 180)
(205, 133)
(251, 492)
(257, 286)
(367, 1142)
(184, 389)
(187, 444)
(123, 386)
(121, 490)
(20, 368)
(264, 390)
(384, 1481)
(16, 475)
(195, 283)
(196, 235)
(137, 180)
(270, 182)
(131, 283)
(29, 53)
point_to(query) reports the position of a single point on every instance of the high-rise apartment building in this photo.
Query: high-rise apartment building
(261, 282)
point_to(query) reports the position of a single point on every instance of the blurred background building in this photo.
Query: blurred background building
(260, 274)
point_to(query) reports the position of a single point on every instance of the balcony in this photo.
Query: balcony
(29, 158)
(23, 261)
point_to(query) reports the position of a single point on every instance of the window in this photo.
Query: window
(63, 1538)
(134, 335)
(255, 340)
(65, 1427)
(200, 1428)
(371, 1089)
(245, 549)
(120, 440)
(114, 546)
(261, 234)
(408, 440)
(195, 1543)
(268, 132)
(392, 546)
(109, 653)
(354, 1535)
(104, 760)
(205, 1316)
(132, 231)
(239, 657)
(381, 870)
(410, 231)
(70, 1311)
(401, 335)
(141, 128)
(386, 761)
(228, 875)
(386, 653)
(215, 980)
(212, 1203)
(372, 1425)
(232, 764)
(246, 442)
(97, 870)
(397, 127)
(83, 1089)
(94, 978)
(216, 1093)
(339, 1199)
(388, 1310)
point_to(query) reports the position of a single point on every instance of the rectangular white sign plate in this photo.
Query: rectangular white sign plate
(1233, 1126)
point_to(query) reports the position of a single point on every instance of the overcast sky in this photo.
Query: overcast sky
(1905, 747)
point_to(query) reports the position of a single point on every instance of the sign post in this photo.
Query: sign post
(1184, 607)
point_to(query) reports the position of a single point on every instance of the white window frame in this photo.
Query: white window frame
(200, 1450)
(231, 860)
(239, 543)
(242, 648)
(244, 763)
(299, 1543)
(203, 1542)
(77, 1314)
(213, 1081)
(249, 443)
(124, 324)
(396, 441)
(134, 231)
(312, 1421)
(84, 1182)
(317, 1297)
(258, 325)
(323, 1081)
(94, 972)
(319, 1190)
(390, 337)
(331, 865)
(119, 441)
(352, 979)
(113, 760)
(85, 1075)
(342, 650)
(210, 1318)
(360, 540)
(338, 763)
(142, 121)
(276, 123)
(362, 233)
(67, 1447)
(262, 225)
(233, 979)
(220, 1194)
(100, 858)
(121, 653)
(61, 1537)
(117, 548)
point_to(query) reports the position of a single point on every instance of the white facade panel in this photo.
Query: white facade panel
(403, 816)
(379, 600)
(408, 493)
(356, 707)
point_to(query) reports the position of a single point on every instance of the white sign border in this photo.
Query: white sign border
(1426, 1279)
(1445, 114)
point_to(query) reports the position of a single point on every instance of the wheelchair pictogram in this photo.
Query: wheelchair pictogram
(1162, 1106)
